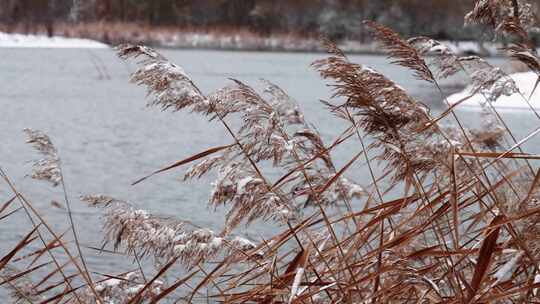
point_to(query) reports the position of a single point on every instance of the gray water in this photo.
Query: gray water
(107, 138)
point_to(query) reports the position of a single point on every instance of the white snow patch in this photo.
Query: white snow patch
(41, 41)
(134, 290)
(243, 243)
(525, 82)
(241, 187)
(112, 282)
(296, 283)
(507, 270)
(536, 281)
(216, 242)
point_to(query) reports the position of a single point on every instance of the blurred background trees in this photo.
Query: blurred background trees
(441, 19)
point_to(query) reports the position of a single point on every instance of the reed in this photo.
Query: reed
(454, 216)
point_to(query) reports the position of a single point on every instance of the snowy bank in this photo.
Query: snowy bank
(525, 82)
(241, 40)
(42, 41)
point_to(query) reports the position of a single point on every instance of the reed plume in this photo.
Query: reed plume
(48, 167)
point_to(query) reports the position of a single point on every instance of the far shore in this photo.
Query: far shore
(223, 39)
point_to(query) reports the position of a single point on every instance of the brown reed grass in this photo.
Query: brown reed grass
(465, 227)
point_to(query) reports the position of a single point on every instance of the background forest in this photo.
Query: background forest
(338, 19)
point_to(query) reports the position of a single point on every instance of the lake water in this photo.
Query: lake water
(107, 138)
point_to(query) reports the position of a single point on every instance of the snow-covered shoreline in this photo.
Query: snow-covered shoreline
(525, 82)
(41, 41)
(237, 41)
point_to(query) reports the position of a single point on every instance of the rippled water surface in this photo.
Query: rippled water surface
(107, 138)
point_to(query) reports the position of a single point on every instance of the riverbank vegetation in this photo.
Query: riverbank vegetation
(246, 25)
(451, 213)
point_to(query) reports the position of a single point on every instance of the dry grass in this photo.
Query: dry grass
(465, 226)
